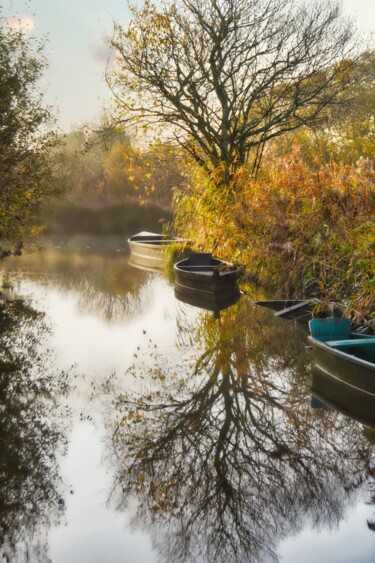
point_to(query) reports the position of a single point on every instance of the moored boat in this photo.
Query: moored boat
(147, 250)
(279, 304)
(299, 310)
(345, 355)
(201, 277)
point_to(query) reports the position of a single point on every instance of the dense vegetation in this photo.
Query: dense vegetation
(305, 225)
(25, 136)
(273, 107)
(273, 168)
(301, 232)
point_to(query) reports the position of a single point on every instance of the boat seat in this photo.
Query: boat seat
(201, 258)
(351, 343)
(331, 328)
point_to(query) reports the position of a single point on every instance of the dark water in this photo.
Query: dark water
(135, 428)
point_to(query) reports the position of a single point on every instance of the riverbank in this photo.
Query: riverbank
(301, 232)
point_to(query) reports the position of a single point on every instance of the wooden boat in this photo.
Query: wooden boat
(147, 250)
(301, 310)
(291, 309)
(345, 355)
(279, 304)
(206, 279)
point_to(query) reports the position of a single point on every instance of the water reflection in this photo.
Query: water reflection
(343, 397)
(213, 438)
(222, 451)
(99, 276)
(31, 436)
(211, 303)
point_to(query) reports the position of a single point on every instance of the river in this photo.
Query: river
(135, 427)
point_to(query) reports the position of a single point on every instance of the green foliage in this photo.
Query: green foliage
(24, 137)
(172, 254)
(202, 211)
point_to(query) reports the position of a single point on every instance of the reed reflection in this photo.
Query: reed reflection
(223, 453)
(31, 435)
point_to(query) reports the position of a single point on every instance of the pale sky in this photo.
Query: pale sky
(77, 52)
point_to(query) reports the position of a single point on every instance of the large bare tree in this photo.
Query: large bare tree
(226, 76)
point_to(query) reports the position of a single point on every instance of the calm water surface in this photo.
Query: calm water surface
(136, 428)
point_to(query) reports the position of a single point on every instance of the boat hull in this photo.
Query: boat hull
(299, 310)
(145, 256)
(147, 250)
(211, 280)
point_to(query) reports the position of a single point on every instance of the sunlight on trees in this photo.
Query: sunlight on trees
(102, 167)
(300, 231)
(346, 136)
(226, 77)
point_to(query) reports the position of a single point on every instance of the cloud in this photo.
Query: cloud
(101, 52)
(21, 23)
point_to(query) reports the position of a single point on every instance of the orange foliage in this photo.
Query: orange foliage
(299, 232)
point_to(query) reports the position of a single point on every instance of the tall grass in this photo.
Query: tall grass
(300, 231)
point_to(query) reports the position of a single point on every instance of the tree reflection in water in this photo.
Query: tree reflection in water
(103, 282)
(30, 434)
(224, 455)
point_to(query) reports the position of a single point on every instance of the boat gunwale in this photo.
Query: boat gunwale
(198, 270)
(153, 239)
(153, 242)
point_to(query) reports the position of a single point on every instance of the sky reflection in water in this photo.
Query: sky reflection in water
(160, 399)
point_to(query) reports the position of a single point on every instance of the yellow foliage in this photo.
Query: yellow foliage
(300, 232)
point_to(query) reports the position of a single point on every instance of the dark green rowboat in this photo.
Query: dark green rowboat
(345, 355)
(202, 278)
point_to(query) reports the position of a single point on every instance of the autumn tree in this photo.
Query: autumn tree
(347, 136)
(224, 77)
(25, 135)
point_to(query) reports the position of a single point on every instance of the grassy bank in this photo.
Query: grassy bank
(301, 232)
